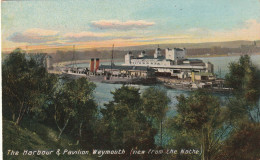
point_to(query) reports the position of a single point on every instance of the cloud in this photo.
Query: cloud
(37, 36)
(249, 31)
(41, 32)
(34, 35)
(118, 25)
(92, 36)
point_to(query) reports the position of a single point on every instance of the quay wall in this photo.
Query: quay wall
(171, 80)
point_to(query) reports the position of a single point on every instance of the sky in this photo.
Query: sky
(101, 23)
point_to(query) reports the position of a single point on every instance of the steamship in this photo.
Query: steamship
(110, 73)
(74, 71)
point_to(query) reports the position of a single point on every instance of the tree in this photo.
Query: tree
(200, 116)
(26, 85)
(125, 122)
(63, 110)
(155, 102)
(86, 107)
(243, 110)
(244, 78)
(74, 102)
(243, 144)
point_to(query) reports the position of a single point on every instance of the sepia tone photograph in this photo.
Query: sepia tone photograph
(130, 80)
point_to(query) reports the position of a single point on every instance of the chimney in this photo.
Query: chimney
(97, 64)
(92, 65)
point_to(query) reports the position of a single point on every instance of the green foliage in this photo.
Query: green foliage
(243, 111)
(127, 95)
(79, 95)
(31, 135)
(31, 94)
(155, 102)
(236, 111)
(244, 78)
(243, 144)
(200, 117)
(26, 86)
(181, 139)
(198, 111)
(125, 122)
(74, 102)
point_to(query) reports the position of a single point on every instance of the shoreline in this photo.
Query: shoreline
(221, 55)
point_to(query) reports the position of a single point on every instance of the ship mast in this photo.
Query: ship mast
(73, 61)
(112, 58)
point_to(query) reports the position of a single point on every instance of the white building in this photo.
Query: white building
(173, 63)
(175, 54)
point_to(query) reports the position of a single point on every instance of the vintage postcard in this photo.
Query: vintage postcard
(130, 80)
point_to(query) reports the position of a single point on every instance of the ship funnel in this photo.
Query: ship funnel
(97, 64)
(92, 65)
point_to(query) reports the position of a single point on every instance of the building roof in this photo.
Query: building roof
(139, 68)
(193, 60)
(178, 49)
(150, 57)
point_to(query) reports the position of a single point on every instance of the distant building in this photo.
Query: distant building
(175, 54)
(173, 63)
(48, 62)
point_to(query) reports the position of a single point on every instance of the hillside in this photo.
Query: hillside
(193, 50)
(227, 44)
(34, 136)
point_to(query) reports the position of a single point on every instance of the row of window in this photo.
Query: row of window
(145, 63)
